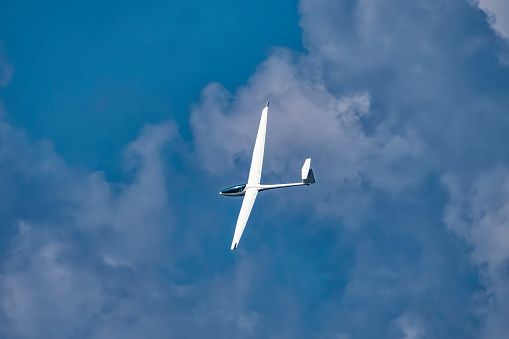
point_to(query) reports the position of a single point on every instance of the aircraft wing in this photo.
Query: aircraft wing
(245, 210)
(255, 172)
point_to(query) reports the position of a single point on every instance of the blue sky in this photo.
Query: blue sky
(88, 77)
(121, 123)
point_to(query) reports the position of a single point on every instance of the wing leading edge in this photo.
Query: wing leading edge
(245, 210)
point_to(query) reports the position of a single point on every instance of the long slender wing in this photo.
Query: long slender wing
(245, 210)
(255, 173)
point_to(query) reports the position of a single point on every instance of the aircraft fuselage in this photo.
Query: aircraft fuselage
(240, 190)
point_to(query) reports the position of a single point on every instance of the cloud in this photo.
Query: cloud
(498, 12)
(82, 263)
(478, 211)
(403, 108)
(306, 120)
(390, 99)
(89, 258)
(410, 327)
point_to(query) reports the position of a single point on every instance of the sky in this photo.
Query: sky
(119, 125)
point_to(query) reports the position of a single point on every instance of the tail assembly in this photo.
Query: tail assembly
(308, 177)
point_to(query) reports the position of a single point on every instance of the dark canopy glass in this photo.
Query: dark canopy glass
(234, 189)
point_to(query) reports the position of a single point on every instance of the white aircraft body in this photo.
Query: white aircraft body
(253, 186)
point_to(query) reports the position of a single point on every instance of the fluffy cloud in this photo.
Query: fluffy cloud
(478, 211)
(391, 97)
(82, 262)
(88, 258)
(403, 107)
(305, 120)
(498, 11)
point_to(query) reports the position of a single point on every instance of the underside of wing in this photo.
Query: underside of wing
(255, 173)
(245, 210)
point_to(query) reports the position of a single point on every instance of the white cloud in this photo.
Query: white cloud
(381, 116)
(498, 11)
(390, 94)
(479, 212)
(39, 288)
(305, 120)
(410, 327)
(56, 280)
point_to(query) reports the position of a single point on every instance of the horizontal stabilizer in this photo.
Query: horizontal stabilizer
(308, 177)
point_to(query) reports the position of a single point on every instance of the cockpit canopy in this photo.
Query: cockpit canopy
(234, 189)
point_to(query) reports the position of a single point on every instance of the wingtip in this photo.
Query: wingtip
(234, 246)
(268, 102)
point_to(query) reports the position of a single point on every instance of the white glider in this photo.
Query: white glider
(253, 186)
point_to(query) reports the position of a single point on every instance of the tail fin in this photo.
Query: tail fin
(308, 177)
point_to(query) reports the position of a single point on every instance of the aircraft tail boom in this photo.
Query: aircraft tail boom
(308, 178)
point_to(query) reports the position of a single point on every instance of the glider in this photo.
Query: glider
(253, 186)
